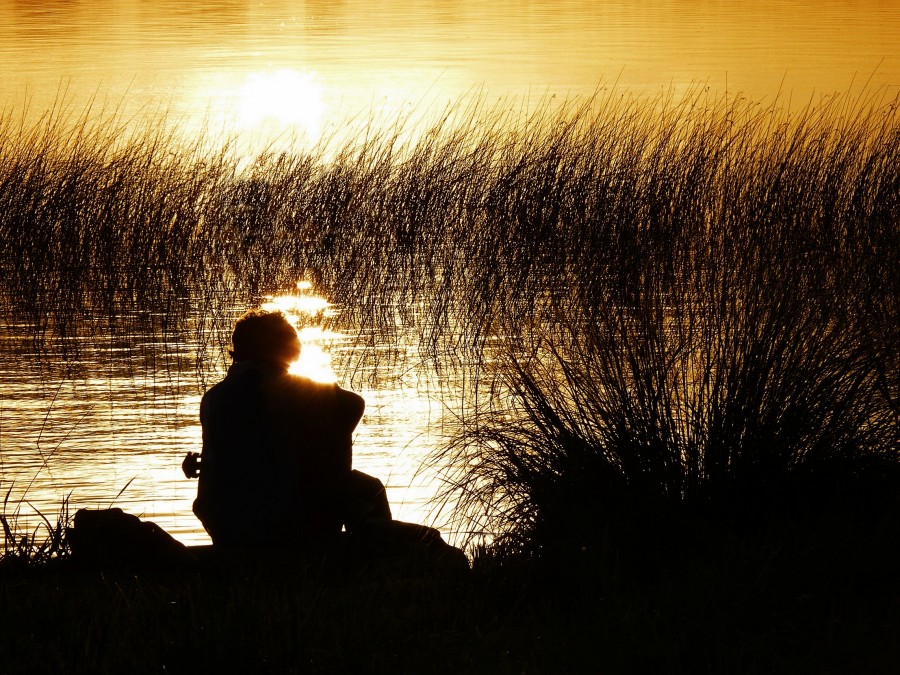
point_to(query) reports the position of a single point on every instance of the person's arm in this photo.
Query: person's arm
(351, 407)
(349, 411)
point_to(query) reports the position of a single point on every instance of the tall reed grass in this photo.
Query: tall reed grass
(713, 336)
(680, 302)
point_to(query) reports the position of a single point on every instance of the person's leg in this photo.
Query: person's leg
(369, 515)
(365, 501)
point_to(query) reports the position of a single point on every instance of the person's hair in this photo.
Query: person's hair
(260, 334)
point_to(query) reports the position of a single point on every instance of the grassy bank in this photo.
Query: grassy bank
(793, 604)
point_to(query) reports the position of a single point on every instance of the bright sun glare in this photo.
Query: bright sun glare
(285, 98)
(306, 311)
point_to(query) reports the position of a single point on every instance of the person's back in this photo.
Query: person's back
(239, 500)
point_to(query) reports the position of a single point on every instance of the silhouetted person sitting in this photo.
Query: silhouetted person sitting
(276, 467)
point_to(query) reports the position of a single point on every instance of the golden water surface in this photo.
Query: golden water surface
(276, 65)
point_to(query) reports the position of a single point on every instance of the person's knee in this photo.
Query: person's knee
(363, 483)
(368, 498)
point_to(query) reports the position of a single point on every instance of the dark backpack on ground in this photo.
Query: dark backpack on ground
(111, 537)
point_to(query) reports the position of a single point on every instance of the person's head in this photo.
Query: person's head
(260, 335)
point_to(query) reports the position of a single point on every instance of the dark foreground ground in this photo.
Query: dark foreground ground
(791, 600)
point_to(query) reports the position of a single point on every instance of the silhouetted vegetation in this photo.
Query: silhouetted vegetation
(675, 321)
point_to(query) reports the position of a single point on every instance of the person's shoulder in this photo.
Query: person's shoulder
(242, 379)
(309, 383)
(216, 397)
(303, 386)
(216, 390)
(323, 391)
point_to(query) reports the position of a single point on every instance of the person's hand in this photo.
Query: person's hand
(191, 465)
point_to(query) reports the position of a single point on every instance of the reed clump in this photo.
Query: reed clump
(713, 345)
(652, 306)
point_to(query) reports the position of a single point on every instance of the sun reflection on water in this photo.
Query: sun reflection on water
(307, 312)
(286, 98)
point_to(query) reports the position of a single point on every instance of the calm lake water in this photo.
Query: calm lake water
(278, 73)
